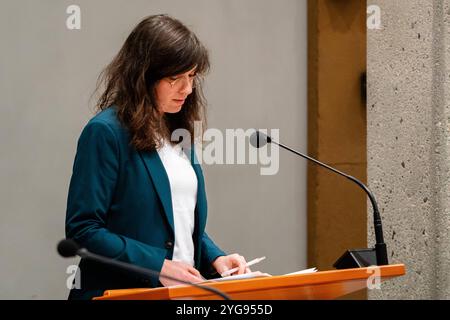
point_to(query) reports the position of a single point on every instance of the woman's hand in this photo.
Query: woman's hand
(224, 263)
(178, 270)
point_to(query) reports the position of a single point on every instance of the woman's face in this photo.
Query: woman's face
(171, 92)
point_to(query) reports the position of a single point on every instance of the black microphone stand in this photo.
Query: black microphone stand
(354, 258)
(84, 253)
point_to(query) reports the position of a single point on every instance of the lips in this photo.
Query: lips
(179, 100)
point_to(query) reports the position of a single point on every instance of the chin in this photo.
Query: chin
(174, 110)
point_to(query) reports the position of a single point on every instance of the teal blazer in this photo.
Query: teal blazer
(119, 206)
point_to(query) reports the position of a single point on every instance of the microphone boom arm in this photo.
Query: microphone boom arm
(69, 248)
(358, 257)
(84, 253)
(377, 217)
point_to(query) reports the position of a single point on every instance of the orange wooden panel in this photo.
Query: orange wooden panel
(320, 285)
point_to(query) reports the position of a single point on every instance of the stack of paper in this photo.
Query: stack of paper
(258, 274)
(249, 275)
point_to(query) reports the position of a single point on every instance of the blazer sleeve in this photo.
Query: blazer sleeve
(210, 252)
(91, 191)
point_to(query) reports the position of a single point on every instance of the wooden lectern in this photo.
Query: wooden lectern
(319, 285)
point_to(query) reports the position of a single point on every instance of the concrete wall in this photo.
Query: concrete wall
(258, 79)
(408, 143)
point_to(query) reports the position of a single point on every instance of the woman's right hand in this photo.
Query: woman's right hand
(179, 270)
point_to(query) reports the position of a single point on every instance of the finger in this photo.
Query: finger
(242, 265)
(247, 270)
(189, 276)
(192, 278)
(226, 264)
(195, 272)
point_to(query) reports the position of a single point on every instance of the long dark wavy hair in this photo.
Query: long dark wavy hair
(158, 47)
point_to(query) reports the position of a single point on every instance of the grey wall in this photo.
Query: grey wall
(408, 143)
(47, 74)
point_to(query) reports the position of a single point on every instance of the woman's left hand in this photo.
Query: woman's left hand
(224, 263)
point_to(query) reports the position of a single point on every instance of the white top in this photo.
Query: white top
(183, 186)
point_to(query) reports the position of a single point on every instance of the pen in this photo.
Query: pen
(248, 264)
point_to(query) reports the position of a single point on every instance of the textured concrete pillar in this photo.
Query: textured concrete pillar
(408, 143)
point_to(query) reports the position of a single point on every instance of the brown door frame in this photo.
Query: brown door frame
(337, 208)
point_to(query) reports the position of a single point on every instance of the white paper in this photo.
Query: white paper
(311, 270)
(249, 275)
(258, 274)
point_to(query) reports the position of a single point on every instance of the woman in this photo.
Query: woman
(135, 195)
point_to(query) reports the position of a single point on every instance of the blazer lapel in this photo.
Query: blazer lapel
(158, 175)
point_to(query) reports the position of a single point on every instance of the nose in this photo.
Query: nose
(187, 87)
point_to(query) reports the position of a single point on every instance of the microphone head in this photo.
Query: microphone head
(259, 139)
(68, 248)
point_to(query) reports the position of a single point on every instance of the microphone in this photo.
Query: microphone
(69, 248)
(354, 258)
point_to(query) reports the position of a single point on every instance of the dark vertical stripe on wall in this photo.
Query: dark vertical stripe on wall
(337, 209)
